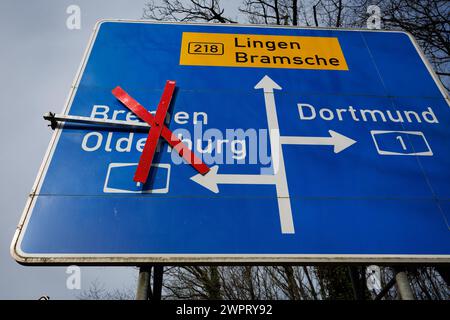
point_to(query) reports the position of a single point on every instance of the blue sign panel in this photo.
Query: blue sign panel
(323, 145)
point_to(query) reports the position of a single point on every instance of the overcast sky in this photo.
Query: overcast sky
(39, 59)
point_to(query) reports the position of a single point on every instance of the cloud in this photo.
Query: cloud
(38, 62)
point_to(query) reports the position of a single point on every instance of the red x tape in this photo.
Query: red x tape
(157, 130)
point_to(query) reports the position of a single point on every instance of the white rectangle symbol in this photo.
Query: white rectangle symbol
(119, 179)
(401, 143)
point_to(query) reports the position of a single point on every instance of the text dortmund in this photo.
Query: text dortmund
(309, 112)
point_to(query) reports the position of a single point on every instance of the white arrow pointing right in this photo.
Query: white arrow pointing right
(339, 141)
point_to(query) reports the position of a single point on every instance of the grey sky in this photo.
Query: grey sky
(39, 59)
(38, 62)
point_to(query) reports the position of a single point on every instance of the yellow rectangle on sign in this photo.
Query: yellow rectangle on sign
(261, 51)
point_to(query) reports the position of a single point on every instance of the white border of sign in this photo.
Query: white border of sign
(173, 259)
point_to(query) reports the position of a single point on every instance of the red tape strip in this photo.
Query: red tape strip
(157, 129)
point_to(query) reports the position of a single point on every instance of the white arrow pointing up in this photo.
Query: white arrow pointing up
(339, 141)
(212, 179)
(281, 186)
(267, 84)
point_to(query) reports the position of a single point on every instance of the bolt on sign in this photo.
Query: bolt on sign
(203, 143)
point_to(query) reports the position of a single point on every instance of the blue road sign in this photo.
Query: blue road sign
(322, 144)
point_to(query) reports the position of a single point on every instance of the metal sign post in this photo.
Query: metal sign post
(403, 286)
(144, 290)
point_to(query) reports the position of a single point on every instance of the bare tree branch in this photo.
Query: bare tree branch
(194, 10)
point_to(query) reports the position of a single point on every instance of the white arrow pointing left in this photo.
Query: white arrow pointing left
(212, 179)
